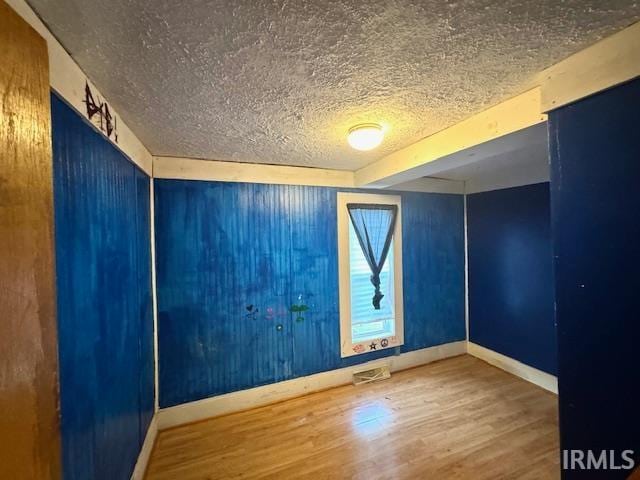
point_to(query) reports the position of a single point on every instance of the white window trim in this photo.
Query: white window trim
(347, 347)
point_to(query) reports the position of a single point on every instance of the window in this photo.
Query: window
(370, 318)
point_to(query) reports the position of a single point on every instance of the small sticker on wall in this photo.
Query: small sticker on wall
(299, 308)
(384, 343)
(359, 348)
(253, 312)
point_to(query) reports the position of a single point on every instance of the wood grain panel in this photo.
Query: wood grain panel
(29, 427)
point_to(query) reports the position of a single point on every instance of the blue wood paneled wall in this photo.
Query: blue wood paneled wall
(510, 274)
(595, 166)
(222, 247)
(105, 325)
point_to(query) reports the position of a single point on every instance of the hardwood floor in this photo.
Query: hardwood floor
(458, 418)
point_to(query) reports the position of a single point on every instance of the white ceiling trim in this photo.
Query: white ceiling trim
(611, 61)
(278, 82)
(212, 170)
(68, 80)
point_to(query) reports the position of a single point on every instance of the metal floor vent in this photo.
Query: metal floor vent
(372, 375)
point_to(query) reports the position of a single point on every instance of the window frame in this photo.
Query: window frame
(347, 347)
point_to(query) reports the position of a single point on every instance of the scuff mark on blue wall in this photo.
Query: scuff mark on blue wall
(105, 324)
(224, 246)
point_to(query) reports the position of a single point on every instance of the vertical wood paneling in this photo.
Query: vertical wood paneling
(314, 243)
(29, 429)
(509, 233)
(595, 148)
(104, 301)
(433, 268)
(223, 246)
(144, 305)
(229, 248)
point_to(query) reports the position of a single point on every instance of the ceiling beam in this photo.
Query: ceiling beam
(507, 117)
(430, 185)
(611, 61)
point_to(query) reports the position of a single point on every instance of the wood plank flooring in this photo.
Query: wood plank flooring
(459, 418)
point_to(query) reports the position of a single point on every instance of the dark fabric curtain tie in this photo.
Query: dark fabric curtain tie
(378, 295)
(374, 226)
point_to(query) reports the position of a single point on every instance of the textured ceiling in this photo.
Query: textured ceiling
(277, 81)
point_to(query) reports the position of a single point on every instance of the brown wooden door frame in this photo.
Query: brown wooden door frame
(29, 417)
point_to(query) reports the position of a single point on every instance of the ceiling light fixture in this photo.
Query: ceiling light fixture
(366, 136)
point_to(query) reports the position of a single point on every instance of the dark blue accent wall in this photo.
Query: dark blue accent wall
(105, 325)
(595, 160)
(510, 274)
(223, 246)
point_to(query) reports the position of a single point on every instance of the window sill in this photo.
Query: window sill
(370, 345)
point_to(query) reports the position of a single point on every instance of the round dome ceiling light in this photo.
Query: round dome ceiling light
(366, 136)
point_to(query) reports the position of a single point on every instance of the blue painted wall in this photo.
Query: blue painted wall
(223, 246)
(510, 274)
(105, 325)
(595, 160)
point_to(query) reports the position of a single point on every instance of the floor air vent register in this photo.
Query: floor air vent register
(372, 375)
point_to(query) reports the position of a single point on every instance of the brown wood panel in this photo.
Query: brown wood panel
(456, 419)
(29, 425)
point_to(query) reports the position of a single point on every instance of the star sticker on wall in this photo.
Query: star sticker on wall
(373, 346)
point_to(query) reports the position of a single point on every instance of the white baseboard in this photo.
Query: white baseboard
(145, 452)
(267, 394)
(519, 369)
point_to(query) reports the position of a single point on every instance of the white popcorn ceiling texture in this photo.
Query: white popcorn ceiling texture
(281, 82)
